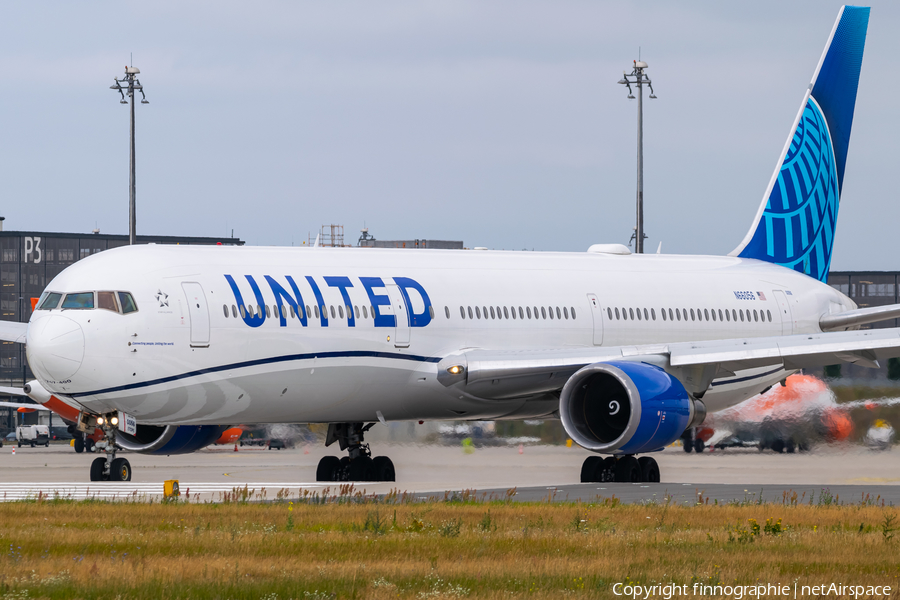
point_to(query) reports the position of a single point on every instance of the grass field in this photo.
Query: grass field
(351, 547)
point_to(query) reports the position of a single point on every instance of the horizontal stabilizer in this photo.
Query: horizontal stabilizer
(860, 316)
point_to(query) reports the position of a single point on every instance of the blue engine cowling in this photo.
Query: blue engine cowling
(169, 439)
(624, 407)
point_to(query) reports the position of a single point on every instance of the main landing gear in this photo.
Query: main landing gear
(627, 469)
(359, 465)
(110, 468)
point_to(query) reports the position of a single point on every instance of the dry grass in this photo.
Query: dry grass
(395, 549)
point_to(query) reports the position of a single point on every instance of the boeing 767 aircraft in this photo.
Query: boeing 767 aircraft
(162, 347)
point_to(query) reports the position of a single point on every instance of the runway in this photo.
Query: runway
(536, 473)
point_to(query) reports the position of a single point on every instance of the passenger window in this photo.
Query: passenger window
(631, 314)
(316, 310)
(243, 312)
(477, 312)
(638, 314)
(512, 310)
(332, 311)
(550, 311)
(692, 314)
(740, 312)
(234, 311)
(609, 313)
(653, 313)
(748, 315)
(499, 313)
(447, 311)
(492, 313)
(727, 316)
(225, 308)
(50, 302)
(543, 312)
(713, 314)
(83, 300)
(250, 310)
(678, 314)
(572, 312)
(566, 313)
(505, 313)
(646, 315)
(521, 314)
(470, 312)
(770, 316)
(558, 315)
(484, 310)
(720, 314)
(462, 313)
(528, 311)
(356, 311)
(754, 315)
(663, 313)
(340, 311)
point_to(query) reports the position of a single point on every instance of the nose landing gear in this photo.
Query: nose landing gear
(359, 464)
(108, 467)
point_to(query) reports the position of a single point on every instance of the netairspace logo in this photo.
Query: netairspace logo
(738, 592)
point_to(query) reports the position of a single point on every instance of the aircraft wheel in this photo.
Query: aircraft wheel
(32, 444)
(628, 470)
(590, 469)
(607, 470)
(328, 468)
(383, 469)
(699, 445)
(778, 446)
(79, 445)
(120, 470)
(649, 469)
(790, 447)
(687, 445)
(89, 444)
(361, 469)
(97, 469)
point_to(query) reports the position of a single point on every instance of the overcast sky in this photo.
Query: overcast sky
(496, 123)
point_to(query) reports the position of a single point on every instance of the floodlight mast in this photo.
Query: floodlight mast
(131, 84)
(638, 78)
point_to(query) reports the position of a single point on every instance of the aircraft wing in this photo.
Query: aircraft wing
(12, 331)
(509, 374)
(11, 391)
(28, 406)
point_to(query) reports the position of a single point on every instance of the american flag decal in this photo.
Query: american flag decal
(761, 296)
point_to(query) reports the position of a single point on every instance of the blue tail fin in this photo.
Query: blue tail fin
(795, 224)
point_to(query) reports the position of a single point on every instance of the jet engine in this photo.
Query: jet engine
(169, 439)
(625, 407)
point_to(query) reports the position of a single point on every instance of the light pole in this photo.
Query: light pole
(639, 79)
(131, 83)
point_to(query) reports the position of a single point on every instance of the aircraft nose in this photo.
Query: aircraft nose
(55, 347)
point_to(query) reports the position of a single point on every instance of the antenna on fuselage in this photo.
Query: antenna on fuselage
(659, 248)
(316, 244)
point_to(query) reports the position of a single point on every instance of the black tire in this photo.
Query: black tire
(89, 444)
(97, 469)
(628, 470)
(120, 470)
(32, 444)
(649, 469)
(688, 445)
(328, 468)
(361, 469)
(607, 470)
(590, 469)
(79, 444)
(699, 445)
(778, 446)
(383, 469)
(790, 447)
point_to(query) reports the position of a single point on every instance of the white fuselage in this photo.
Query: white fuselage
(187, 356)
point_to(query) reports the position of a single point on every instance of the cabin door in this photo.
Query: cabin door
(784, 311)
(401, 316)
(597, 315)
(199, 313)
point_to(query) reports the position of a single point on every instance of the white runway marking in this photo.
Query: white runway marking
(125, 490)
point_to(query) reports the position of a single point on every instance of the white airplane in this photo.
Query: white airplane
(161, 345)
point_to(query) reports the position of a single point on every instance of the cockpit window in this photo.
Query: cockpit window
(107, 300)
(127, 303)
(51, 301)
(81, 300)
